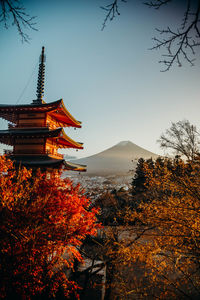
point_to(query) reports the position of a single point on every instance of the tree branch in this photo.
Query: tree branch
(112, 10)
(19, 18)
(180, 41)
(157, 3)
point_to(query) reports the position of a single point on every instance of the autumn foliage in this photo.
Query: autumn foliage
(172, 215)
(162, 253)
(43, 221)
(155, 252)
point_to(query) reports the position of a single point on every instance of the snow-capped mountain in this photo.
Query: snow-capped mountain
(119, 159)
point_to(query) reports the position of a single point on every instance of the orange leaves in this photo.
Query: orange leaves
(172, 205)
(42, 221)
(155, 252)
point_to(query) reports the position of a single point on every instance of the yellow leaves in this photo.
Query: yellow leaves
(196, 225)
(173, 207)
(159, 242)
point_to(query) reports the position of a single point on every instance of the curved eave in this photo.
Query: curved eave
(56, 109)
(64, 141)
(10, 112)
(38, 163)
(45, 162)
(68, 166)
(26, 107)
(62, 115)
(8, 136)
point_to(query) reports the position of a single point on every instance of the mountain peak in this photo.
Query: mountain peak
(117, 159)
(123, 143)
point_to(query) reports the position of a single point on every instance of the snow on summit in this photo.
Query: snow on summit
(123, 143)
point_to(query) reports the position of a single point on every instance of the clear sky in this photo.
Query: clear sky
(108, 79)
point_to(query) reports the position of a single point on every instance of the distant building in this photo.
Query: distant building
(36, 131)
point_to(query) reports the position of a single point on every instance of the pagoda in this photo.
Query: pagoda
(36, 131)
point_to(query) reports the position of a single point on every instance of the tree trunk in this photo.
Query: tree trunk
(110, 271)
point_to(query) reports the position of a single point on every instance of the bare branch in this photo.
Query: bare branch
(186, 14)
(112, 11)
(157, 3)
(183, 138)
(19, 18)
(180, 41)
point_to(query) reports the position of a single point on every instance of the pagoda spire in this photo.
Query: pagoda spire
(40, 83)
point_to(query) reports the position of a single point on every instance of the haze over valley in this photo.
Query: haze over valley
(110, 169)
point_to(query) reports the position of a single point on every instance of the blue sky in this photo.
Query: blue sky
(108, 79)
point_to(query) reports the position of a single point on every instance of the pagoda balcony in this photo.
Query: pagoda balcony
(53, 154)
(34, 153)
(29, 125)
(32, 125)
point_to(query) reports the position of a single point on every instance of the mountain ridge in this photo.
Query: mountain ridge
(118, 159)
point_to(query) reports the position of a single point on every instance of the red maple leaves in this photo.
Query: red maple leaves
(42, 222)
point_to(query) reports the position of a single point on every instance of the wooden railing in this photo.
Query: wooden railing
(50, 152)
(32, 152)
(29, 125)
(32, 125)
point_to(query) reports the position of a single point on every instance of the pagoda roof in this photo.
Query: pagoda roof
(44, 161)
(74, 167)
(56, 109)
(62, 115)
(62, 139)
